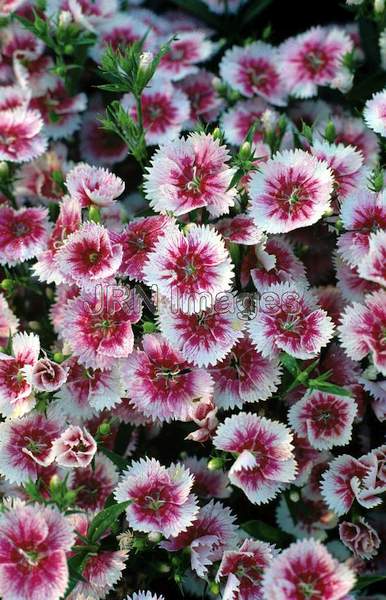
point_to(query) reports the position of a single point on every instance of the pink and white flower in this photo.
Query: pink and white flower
(314, 58)
(239, 230)
(207, 483)
(191, 48)
(21, 139)
(88, 255)
(345, 163)
(94, 483)
(290, 320)
(203, 414)
(373, 266)
(36, 179)
(348, 479)
(23, 234)
(351, 131)
(352, 287)
(375, 111)
(98, 325)
(189, 270)
(66, 109)
(244, 570)
(100, 574)
(9, 323)
(326, 420)
(212, 532)
(362, 330)
(363, 212)
(265, 461)
(97, 145)
(205, 103)
(362, 539)
(244, 375)
(291, 190)
(74, 448)
(160, 497)
(26, 447)
(276, 262)
(15, 390)
(93, 186)
(34, 541)
(237, 121)
(144, 596)
(119, 31)
(165, 109)
(88, 390)
(87, 13)
(306, 570)
(189, 333)
(190, 173)
(254, 70)
(161, 384)
(46, 375)
(138, 239)
(68, 221)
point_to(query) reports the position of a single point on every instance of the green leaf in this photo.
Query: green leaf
(365, 580)
(262, 531)
(105, 519)
(290, 363)
(75, 568)
(199, 9)
(254, 9)
(326, 386)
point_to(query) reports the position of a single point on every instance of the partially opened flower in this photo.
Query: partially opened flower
(348, 479)
(374, 112)
(324, 419)
(37, 180)
(362, 539)
(190, 270)
(23, 234)
(189, 333)
(88, 255)
(244, 375)
(165, 109)
(275, 262)
(15, 388)
(190, 173)
(161, 384)
(34, 541)
(265, 461)
(314, 58)
(373, 266)
(203, 414)
(189, 49)
(26, 447)
(74, 448)
(345, 163)
(307, 570)
(362, 330)
(290, 320)
(212, 532)
(21, 136)
(244, 570)
(291, 190)
(363, 213)
(93, 186)
(94, 483)
(98, 325)
(160, 497)
(138, 239)
(46, 375)
(254, 70)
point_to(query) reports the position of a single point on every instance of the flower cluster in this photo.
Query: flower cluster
(192, 302)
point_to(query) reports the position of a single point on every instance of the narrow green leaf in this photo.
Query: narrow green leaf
(118, 460)
(262, 531)
(365, 580)
(105, 519)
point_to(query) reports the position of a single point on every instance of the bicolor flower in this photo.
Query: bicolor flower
(23, 234)
(93, 186)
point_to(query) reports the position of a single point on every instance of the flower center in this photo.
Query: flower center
(20, 229)
(308, 590)
(32, 557)
(315, 60)
(93, 257)
(154, 503)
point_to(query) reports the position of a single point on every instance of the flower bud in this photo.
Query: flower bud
(215, 463)
(245, 151)
(104, 428)
(154, 537)
(379, 6)
(4, 169)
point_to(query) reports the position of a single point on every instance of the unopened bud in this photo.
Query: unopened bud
(154, 537)
(94, 214)
(215, 463)
(55, 483)
(58, 357)
(4, 169)
(330, 132)
(34, 325)
(7, 284)
(68, 49)
(145, 60)
(245, 151)
(217, 135)
(104, 428)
